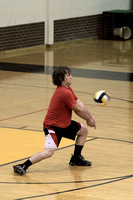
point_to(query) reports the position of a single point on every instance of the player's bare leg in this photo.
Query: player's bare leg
(42, 155)
(20, 169)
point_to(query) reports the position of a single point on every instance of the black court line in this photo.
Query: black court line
(23, 85)
(25, 129)
(80, 188)
(24, 114)
(106, 180)
(126, 100)
(56, 150)
(92, 138)
(116, 140)
(129, 101)
(85, 73)
(63, 182)
(80, 92)
(43, 110)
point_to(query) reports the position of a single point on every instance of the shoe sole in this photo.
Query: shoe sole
(73, 164)
(18, 170)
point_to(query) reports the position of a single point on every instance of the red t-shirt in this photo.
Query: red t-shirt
(60, 109)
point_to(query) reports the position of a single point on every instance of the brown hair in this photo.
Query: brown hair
(59, 74)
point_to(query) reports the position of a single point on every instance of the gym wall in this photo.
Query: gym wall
(37, 22)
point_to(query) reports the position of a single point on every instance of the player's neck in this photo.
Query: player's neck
(65, 85)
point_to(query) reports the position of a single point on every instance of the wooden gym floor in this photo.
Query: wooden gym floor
(25, 92)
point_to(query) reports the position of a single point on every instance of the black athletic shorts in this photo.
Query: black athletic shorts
(69, 132)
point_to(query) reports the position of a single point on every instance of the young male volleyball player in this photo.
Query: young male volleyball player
(58, 122)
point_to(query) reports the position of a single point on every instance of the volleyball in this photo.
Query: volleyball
(102, 97)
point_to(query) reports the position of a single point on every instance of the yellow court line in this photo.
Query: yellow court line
(16, 144)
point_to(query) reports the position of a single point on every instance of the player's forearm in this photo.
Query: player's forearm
(84, 109)
(83, 114)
